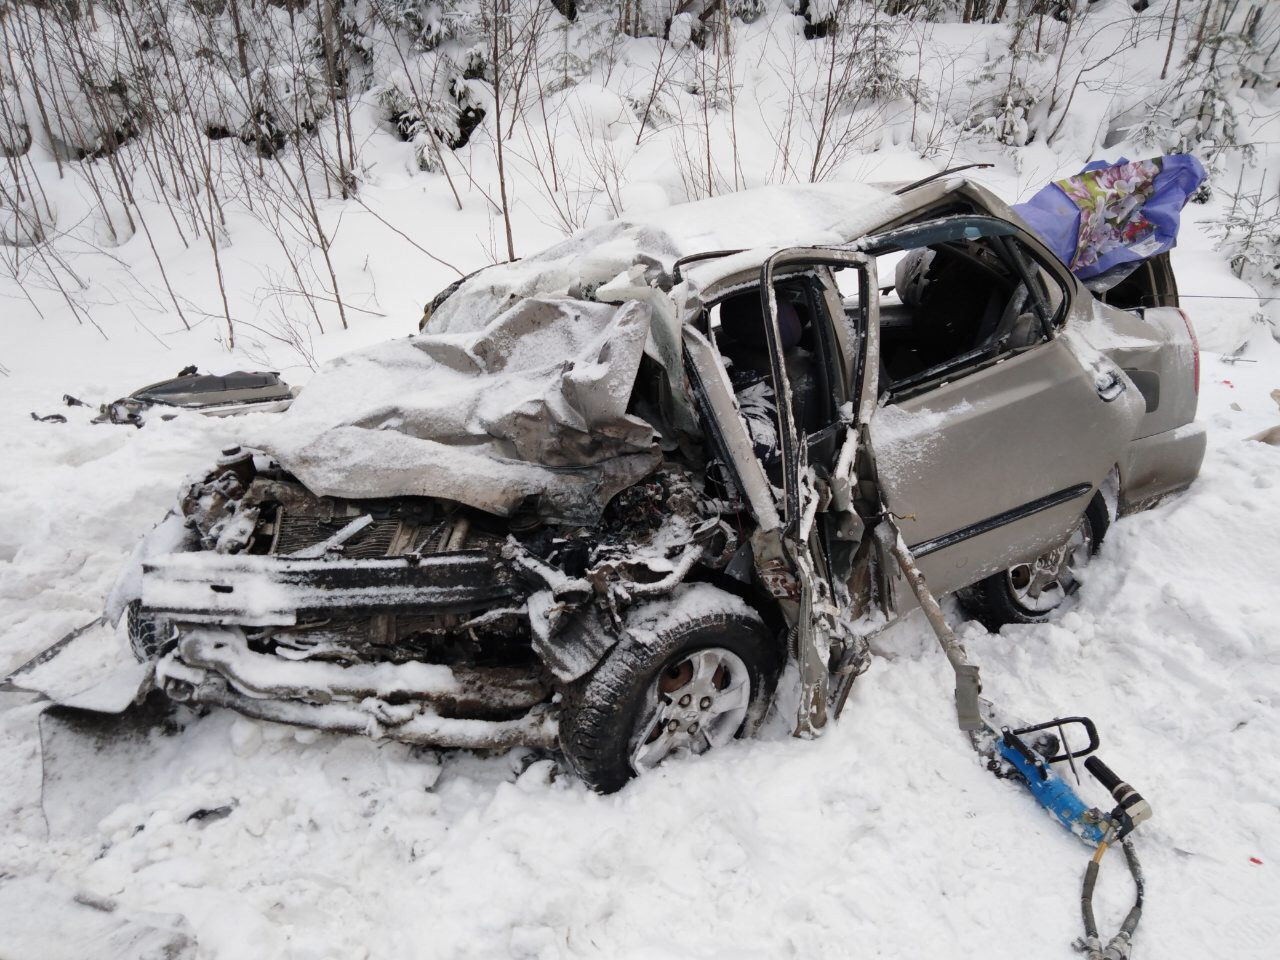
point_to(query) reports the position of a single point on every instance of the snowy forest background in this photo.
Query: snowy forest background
(267, 171)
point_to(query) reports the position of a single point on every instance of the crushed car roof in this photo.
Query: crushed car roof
(768, 217)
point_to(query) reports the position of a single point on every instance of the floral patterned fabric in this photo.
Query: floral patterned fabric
(1110, 202)
(1109, 217)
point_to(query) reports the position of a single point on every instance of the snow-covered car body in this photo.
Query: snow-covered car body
(580, 469)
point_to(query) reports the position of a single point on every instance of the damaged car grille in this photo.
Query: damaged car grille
(282, 591)
(296, 533)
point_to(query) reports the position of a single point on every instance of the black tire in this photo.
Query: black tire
(599, 718)
(149, 638)
(994, 603)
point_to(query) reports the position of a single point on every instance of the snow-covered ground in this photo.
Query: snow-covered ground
(883, 838)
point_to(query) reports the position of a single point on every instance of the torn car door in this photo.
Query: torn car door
(806, 494)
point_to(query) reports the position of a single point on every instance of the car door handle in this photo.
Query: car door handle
(1109, 384)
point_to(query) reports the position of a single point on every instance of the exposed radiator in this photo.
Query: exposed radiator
(298, 532)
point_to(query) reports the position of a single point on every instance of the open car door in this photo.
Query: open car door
(995, 426)
(820, 528)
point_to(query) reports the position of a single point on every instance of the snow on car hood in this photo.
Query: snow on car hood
(532, 405)
(775, 216)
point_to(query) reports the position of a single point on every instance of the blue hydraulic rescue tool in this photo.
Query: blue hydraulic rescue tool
(1027, 754)
(1029, 761)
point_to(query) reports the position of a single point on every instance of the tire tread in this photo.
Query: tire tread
(596, 715)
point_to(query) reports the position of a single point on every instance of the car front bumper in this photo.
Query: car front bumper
(205, 602)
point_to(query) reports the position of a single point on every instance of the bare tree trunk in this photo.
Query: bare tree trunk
(1173, 33)
(321, 237)
(1194, 53)
(28, 63)
(212, 233)
(827, 109)
(326, 16)
(500, 10)
(234, 7)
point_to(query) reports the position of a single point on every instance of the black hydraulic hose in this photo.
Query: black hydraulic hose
(1118, 945)
(1086, 901)
(1135, 869)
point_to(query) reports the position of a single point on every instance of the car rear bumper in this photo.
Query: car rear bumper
(1159, 465)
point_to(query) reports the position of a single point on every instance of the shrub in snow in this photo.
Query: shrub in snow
(879, 48)
(649, 18)
(427, 25)
(1232, 48)
(290, 99)
(683, 26)
(748, 11)
(819, 16)
(1008, 87)
(424, 57)
(1250, 234)
(432, 123)
(922, 9)
(15, 134)
(78, 73)
(20, 222)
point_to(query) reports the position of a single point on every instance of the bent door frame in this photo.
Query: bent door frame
(863, 384)
(816, 624)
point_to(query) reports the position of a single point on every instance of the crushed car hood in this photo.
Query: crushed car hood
(534, 405)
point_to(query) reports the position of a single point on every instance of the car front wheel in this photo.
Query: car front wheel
(1029, 592)
(681, 688)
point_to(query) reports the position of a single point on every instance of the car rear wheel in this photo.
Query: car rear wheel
(1029, 592)
(687, 687)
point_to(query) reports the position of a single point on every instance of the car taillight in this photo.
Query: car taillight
(1195, 347)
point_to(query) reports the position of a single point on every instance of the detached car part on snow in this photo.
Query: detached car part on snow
(215, 396)
(619, 552)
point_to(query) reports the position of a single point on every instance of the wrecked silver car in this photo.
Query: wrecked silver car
(618, 490)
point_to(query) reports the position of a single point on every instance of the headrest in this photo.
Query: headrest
(909, 276)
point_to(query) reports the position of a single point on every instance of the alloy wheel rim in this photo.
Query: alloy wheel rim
(1042, 584)
(698, 701)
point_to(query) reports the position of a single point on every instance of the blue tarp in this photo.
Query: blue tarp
(1111, 216)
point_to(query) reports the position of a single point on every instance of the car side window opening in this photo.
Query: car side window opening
(1150, 284)
(958, 303)
(738, 330)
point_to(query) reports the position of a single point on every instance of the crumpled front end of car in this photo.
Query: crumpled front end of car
(411, 618)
